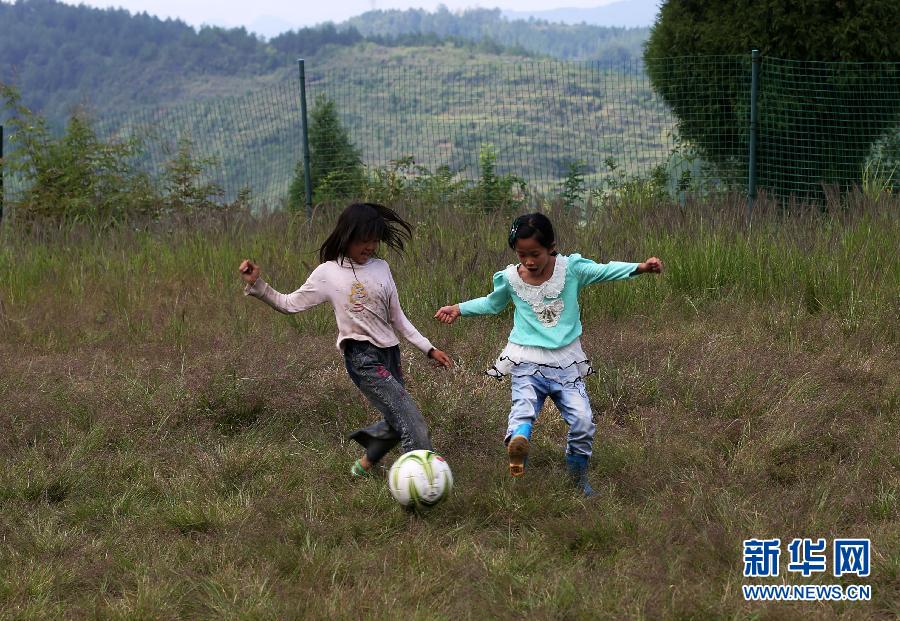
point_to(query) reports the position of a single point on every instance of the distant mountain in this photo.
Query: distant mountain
(60, 56)
(570, 41)
(624, 13)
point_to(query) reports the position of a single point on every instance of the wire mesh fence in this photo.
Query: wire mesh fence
(683, 122)
(828, 125)
(250, 141)
(541, 118)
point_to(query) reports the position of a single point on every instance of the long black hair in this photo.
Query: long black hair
(535, 225)
(364, 221)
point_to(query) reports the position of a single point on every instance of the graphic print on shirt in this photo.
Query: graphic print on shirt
(549, 313)
(358, 297)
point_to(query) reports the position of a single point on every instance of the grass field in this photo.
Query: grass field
(170, 449)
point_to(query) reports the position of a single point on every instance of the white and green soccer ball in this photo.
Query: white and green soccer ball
(420, 479)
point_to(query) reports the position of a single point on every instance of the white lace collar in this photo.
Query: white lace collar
(534, 295)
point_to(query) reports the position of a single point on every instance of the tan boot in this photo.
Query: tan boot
(518, 455)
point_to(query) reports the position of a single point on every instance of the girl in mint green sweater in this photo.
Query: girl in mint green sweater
(544, 357)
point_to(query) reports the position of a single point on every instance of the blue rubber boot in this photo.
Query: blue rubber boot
(577, 465)
(518, 449)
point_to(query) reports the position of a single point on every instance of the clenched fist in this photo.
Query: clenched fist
(249, 271)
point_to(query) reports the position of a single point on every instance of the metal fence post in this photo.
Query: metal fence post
(754, 129)
(306, 178)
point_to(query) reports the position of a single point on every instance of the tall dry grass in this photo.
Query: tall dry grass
(170, 449)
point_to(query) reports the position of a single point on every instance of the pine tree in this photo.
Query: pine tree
(335, 166)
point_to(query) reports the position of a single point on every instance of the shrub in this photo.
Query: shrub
(77, 178)
(494, 191)
(710, 95)
(74, 178)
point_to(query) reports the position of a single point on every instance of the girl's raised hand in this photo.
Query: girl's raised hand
(447, 314)
(650, 266)
(249, 271)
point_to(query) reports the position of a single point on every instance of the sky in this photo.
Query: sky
(259, 15)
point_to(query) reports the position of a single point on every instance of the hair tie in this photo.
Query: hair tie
(512, 233)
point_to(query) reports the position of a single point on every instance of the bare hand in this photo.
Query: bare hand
(650, 266)
(441, 358)
(447, 314)
(249, 271)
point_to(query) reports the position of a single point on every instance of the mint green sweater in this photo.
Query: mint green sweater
(546, 315)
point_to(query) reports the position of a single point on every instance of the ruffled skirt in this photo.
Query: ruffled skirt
(565, 364)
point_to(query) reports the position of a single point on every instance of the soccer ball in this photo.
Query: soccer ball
(420, 479)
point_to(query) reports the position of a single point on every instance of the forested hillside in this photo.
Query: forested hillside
(60, 55)
(582, 41)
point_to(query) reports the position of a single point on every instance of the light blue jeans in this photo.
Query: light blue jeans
(568, 392)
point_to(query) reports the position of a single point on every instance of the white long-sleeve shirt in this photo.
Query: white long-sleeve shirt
(364, 298)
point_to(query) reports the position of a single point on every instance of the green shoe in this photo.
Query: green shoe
(358, 472)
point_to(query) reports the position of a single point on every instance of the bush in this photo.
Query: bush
(572, 190)
(188, 190)
(710, 96)
(494, 191)
(75, 178)
(404, 180)
(78, 178)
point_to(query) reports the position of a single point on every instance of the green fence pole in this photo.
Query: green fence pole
(754, 129)
(306, 177)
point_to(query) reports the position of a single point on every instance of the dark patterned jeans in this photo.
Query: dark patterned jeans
(377, 373)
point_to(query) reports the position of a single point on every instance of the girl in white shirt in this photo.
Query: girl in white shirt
(362, 292)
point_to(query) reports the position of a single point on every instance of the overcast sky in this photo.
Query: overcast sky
(232, 13)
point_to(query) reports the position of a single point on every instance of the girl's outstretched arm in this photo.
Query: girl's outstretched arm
(490, 304)
(310, 294)
(589, 272)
